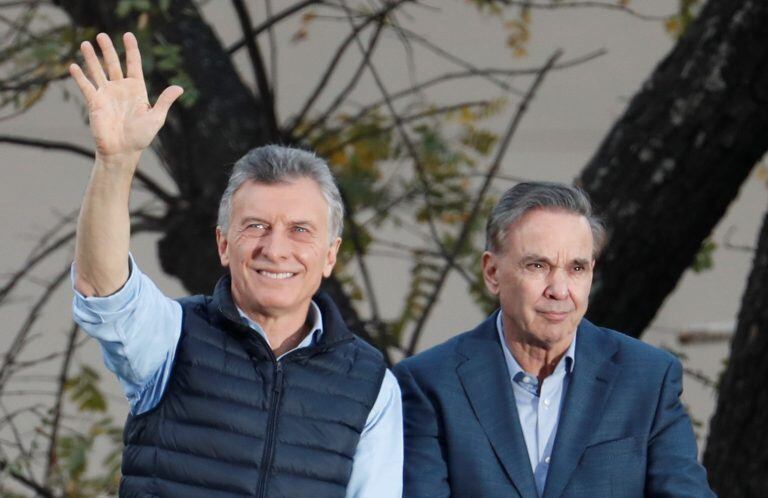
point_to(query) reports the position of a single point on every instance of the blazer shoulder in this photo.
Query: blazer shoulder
(630, 350)
(449, 354)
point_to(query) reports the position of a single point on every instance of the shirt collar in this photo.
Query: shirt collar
(514, 368)
(316, 332)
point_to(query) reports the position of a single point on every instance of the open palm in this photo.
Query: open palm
(122, 120)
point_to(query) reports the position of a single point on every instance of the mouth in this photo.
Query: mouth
(275, 275)
(555, 316)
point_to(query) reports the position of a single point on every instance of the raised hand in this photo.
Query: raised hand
(123, 122)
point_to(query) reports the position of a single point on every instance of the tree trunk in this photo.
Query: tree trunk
(736, 455)
(667, 171)
(200, 143)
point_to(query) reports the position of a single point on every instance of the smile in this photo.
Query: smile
(275, 276)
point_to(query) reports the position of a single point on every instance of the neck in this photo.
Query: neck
(534, 357)
(284, 332)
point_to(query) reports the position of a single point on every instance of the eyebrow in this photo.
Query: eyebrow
(250, 219)
(532, 257)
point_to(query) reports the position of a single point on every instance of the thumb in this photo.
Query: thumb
(165, 100)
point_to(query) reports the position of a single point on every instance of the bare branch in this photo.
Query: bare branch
(272, 51)
(344, 93)
(32, 262)
(257, 30)
(354, 234)
(420, 170)
(728, 244)
(403, 120)
(352, 37)
(57, 407)
(29, 483)
(257, 64)
(479, 198)
(586, 4)
(455, 75)
(148, 183)
(21, 336)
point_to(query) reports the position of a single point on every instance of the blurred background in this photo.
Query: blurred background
(426, 111)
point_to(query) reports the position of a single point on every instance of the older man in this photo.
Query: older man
(259, 390)
(537, 401)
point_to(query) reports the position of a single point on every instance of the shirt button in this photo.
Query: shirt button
(546, 460)
(527, 379)
(546, 402)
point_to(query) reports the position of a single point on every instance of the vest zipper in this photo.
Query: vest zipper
(270, 438)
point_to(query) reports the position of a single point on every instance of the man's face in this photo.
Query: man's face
(277, 247)
(542, 276)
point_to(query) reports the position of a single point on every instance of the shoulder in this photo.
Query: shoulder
(451, 353)
(628, 352)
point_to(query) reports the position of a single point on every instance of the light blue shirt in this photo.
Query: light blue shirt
(538, 405)
(138, 328)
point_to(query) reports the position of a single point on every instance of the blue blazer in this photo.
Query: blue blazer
(622, 431)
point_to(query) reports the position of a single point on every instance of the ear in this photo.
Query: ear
(490, 272)
(330, 258)
(222, 245)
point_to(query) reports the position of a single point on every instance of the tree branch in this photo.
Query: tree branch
(148, 183)
(272, 51)
(337, 56)
(587, 4)
(29, 483)
(269, 23)
(454, 75)
(479, 198)
(57, 407)
(344, 93)
(21, 336)
(257, 64)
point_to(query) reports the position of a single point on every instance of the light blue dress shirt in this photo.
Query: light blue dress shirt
(538, 405)
(138, 328)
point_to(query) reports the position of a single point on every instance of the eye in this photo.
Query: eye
(256, 226)
(536, 266)
(300, 229)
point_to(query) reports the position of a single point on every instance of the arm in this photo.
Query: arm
(426, 471)
(123, 124)
(377, 469)
(673, 470)
(138, 327)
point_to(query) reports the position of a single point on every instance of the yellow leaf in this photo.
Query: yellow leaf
(672, 25)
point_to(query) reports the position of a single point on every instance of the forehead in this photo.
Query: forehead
(295, 199)
(550, 232)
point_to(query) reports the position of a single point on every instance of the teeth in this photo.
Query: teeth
(276, 276)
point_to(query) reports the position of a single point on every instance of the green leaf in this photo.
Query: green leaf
(84, 392)
(704, 258)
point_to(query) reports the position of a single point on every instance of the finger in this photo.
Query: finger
(83, 83)
(132, 57)
(92, 64)
(111, 59)
(165, 100)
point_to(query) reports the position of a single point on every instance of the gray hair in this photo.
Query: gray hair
(527, 196)
(273, 164)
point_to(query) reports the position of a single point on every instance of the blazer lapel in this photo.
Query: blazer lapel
(593, 375)
(486, 381)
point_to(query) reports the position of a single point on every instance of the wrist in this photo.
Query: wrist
(123, 162)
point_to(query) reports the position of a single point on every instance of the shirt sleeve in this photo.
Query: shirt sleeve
(377, 469)
(138, 328)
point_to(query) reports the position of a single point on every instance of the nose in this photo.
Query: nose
(557, 287)
(274, 246)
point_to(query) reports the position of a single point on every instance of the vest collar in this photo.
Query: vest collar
(334, 328)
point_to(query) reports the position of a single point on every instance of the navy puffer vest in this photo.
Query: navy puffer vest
(234, 422)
